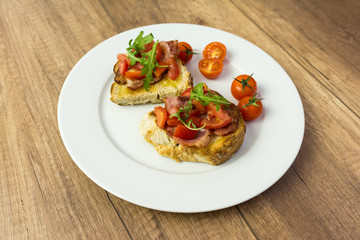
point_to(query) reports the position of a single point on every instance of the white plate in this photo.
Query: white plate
(104, 140)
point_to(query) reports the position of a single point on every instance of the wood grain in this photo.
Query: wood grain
(44, 195)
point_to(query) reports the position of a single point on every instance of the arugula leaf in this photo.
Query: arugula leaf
(205, 99)
(148, 68)
(186, 109)
(198, 94)
(138, 45)
(147, 59)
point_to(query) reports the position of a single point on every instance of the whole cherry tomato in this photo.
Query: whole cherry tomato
(250, 107)
(242, 86)
(215, 50)
(186, 52)
(210, 68)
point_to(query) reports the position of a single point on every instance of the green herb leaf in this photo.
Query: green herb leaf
(205, 99)
(149, 66)
(138, 45)
(252, 101)
(147, 59)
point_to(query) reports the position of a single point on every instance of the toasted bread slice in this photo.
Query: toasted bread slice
(166, 87)
(219, 150)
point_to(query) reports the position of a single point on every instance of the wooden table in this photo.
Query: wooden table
(44, 195)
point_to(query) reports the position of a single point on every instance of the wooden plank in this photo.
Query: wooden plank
(44, 194)
(144, 223)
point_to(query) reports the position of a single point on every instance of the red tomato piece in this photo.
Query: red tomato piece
(148, 46)
(184, 133)
(173, 121)
(210, 68)
(187, 92)
(160, 71)
(186, 52)
(198, 106)
(161, 116)
(194, 113)
(158, 52)
(134, 74)
(250, 107)
(195, 120)
(123, 57)
(218, 119)
(242, 86)
(215, 50)
(123, 63)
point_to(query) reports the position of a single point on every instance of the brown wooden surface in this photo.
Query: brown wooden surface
(44, 195)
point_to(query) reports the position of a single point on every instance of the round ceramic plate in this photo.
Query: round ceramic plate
(104, 140)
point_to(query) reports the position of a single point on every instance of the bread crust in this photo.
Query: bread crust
(219, 150)
(122, 95)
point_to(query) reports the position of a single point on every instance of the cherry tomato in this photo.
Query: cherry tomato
(220, 118)
(161, 116)
(134, 74)
(215, 50)
(250, 107)
(210, 68)
(242, 86)
(184, 133)
(186, 52)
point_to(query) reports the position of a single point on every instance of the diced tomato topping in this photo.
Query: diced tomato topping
(174, 70)
(123, 63)
(198, 106)
(195, 120)
(158, 52)
(123, 57)
(161, 116)
(160, 71)
(134, 74)
(194, 113)
(173, 121)
(138, 66)
(217, 119)
(184, 133)
(148, 46)
(187, 92)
